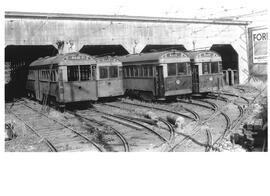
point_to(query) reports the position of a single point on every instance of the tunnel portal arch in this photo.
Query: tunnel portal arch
(230, 63)
(17, 61)
(103, 50)
(153, 47)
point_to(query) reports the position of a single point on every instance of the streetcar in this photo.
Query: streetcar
(157, 75)
(206, 69)
(109, 77)
(63, 79)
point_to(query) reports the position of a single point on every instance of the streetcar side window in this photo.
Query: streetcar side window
(131, 72)
(145, 71)
(136, 71)
(150, 71)
(47, 74)
(140, 71)
(93, 72)
(73, 73)
(120, 71)
(52, 76)
(171, 69)
(188, 69)
(103, 72)
(127, 72)
(124, 72)
(56, 75)
(85, 72)
(31, 74)
(43, 75)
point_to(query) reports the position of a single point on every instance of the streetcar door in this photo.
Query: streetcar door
(195, 78)
(159, 81)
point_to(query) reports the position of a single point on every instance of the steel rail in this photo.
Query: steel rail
(171, 129)
(227, 118)
(117, 133)
(169, 125)
(151, 122)
(135, 122)
(46, 141)
(196, 129)
(232, 95)
(74, 131)
(162, 109)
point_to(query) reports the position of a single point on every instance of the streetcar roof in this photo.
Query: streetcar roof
(64, 59)
(152, 56)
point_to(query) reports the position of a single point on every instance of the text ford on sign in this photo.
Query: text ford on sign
(259, 43)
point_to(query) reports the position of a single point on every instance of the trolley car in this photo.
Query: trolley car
(109, 77)
(157, 75)
(206, 68)
(63, 78)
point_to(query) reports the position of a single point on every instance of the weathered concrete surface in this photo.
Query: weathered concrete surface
(134, 33)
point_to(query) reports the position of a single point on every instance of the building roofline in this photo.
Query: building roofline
(64, 16)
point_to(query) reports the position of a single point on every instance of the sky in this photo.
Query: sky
(168, 8)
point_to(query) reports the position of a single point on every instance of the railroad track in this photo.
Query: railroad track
(210, 141)
(236, 121)
(57, 135)
(102, 124)
(197, 128)
(137, 122)
(195, 118)
(231, 95)
(240, 108)
(226, 117)
(151, 122)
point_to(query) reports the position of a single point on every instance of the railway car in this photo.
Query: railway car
(157, 75)
(206, 69)
(64, 78)
(109, 77)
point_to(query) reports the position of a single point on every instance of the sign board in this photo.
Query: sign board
(259, 45)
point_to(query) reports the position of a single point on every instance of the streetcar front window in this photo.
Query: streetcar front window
(205, 68)
(181, 69)
(73, 73)
(171, 69)
(113, 71)
(214, 67)
(220, 66)
(103, 72)
(85, 72)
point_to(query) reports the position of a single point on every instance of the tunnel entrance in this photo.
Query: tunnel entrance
(103, 50)
(155, 48)
(229, 62)
(17, 60)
